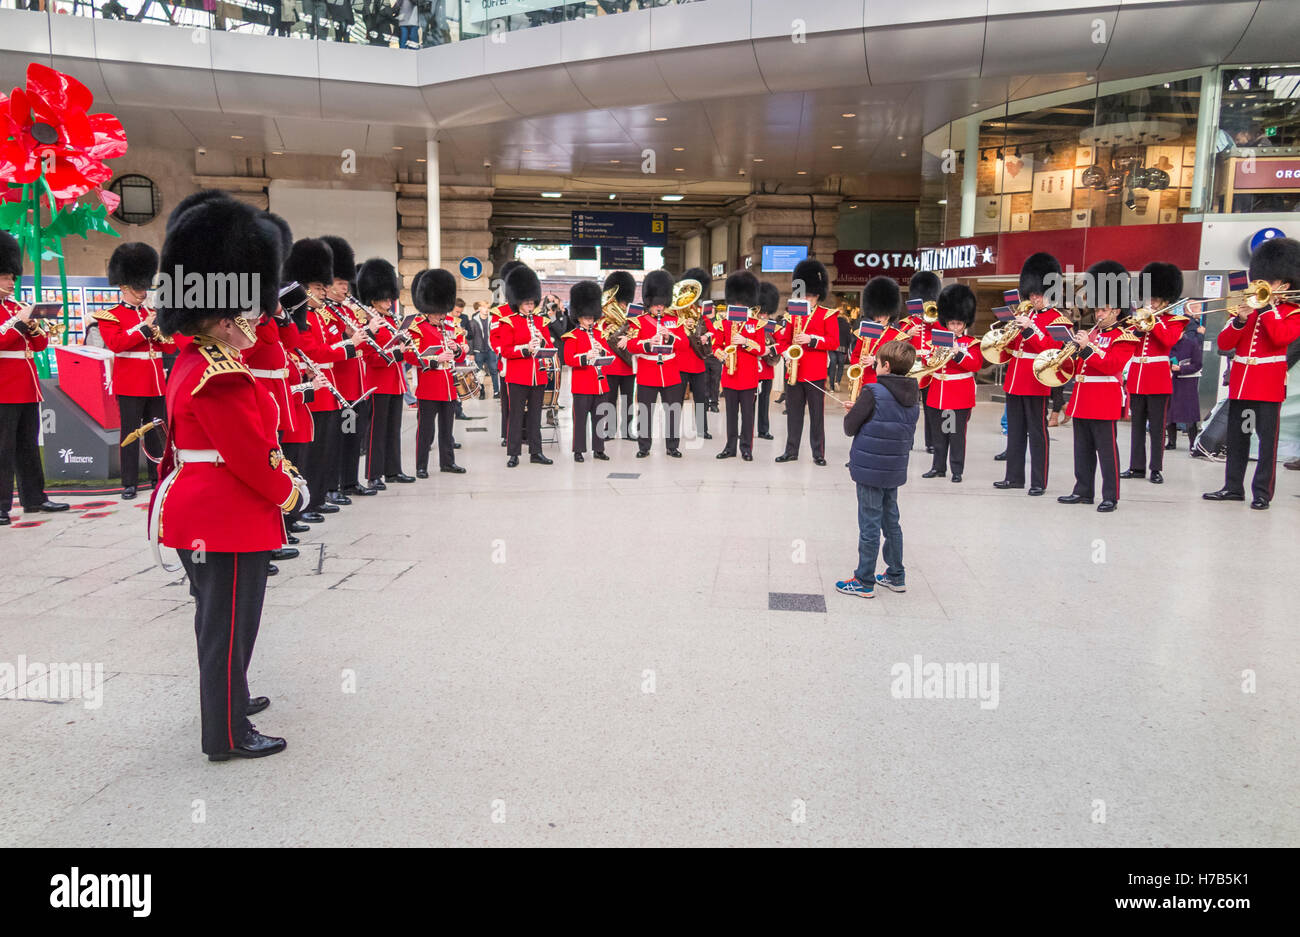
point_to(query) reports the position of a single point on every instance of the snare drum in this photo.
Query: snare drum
(467, 384)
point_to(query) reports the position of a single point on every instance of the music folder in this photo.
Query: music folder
(406, 323)
(869, 329)
(1004, 313)
(47, 310)
(942, 338)
(659, 349)
(1062, 333)
(602, 360)
(544, 354)
(432, 351)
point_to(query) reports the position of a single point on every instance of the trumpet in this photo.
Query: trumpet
(1145, 319)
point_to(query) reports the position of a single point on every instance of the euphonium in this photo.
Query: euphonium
(938, 358)
(994, 342)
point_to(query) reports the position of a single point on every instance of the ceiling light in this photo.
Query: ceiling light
(235, 136)
(612, 196)
(837, 147)
(661, 119)
(679, 149)
(900, 136)
(551, 194)
(616, 161)
(802, 172)
(527, 150)
(421, 159)
(758, 159)
(679, 169)
(277, 152)
(848, 115)
(942, 201)
(853, 206)
(398, 148)
(902, 154)
(671, 198)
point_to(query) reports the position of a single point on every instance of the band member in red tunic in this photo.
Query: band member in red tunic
(817, 334)
(881, 298)
(379, 287)
(655, 339)
(925, 286)
(693, 354)
(350, 376)
(1026, 395)
(435, 351)
(225, 481)
(20, 393)
(952, 388)
(137, 377)
(1258, 339)
(523, 335)
(1098, 399)
(1150, 381)
(740, 344)
(769, 300)
(583, 347)
(500, 316)
(621, 374)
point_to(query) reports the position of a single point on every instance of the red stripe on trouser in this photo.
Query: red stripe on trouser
(230, 653)
(1114, 445)
(1272, 475)
(1047, 445)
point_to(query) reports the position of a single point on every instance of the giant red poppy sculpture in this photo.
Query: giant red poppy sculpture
(52, 153)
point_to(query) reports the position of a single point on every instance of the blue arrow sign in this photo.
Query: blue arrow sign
(471, 268)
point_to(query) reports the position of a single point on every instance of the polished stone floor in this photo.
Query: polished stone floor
(553, 655)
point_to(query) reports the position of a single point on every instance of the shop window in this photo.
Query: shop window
(1257, 147)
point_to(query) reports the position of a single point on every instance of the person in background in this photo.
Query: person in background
(408, 23)
(433, 17)
(835, 364)
(1185, 360)
(480, 345)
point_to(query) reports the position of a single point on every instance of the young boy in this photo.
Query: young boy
(882, 423)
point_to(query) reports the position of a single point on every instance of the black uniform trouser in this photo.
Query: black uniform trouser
(698, 382)
(435, 417)
(296, 452)
(764, 404)
(588, 409)
(1149, 413)
(796, 396)
(323, 455)
(505, 408)
(713, 368)
(949, 448)
(350, 447)
(834, 367)
(20, 452)
(525, 402)
(646, 395)
(228, 589)
(1262, 417)
(1027, 424)
(929, 430)
(384, 449)
(623, 385)
(1094, 445)
(132, 412)
(740, 418)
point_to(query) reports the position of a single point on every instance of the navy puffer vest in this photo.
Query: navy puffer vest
(878, 456)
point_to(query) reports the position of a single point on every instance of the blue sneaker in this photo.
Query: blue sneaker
(890, 584)
(854, 587)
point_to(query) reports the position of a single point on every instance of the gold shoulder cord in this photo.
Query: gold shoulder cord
(220, 360)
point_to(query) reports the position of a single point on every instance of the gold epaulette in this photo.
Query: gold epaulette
(1061, 320)
(569, 334)
(1126, 335)
(218, 363)
(103, 315)
(1176, 318)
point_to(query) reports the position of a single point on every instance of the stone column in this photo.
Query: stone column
(465, 212)
(789, 219)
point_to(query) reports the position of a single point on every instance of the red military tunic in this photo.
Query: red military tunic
(237, 505)
(823, 326)
(1020, 378)
(325, 344)
(1148, 370)
(137, 351)
(299, 385)
(869, 371)
(349, 375)
(521, 366)
(1098, 385)
(19, 380)
(748, 352)
(384, 377)
(953, 385)
(582, 342)
(656, 370)
(437, 381)
(688, 362)
(269, 366)
(1259, 367)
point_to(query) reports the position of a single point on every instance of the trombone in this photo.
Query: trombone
(1259, 294)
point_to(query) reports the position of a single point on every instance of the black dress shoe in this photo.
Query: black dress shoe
(765, 436)
(1035, 492)
(674, 453)
(783, 457)
(292, 540)
(600, 456)
(336, 498)
(377, 484)
(455, 445)
(642, 455)
(724, 454)
(400, 479)
(933, 473)
(539, 459)
(1106, 507)
(929, 450)
(1172, 444)
(284, 553)
(714, 409)
(1157, 478)
(1223, 494)
(4, 519)
(255, 705)
(503, 444)
(956, 478)
(1133, 473)
(1259, 504)
(1001, 456)
(326, 508)
(272, 569)
(52, 507)
(252, 745)
(577, 457)
(128, 493)
(298, 527)
(1072, 498)
(311, 517)
(421, 473)
(512, 461)
(747, 456)
(359, 491)
(454, 469)
(1006, 484)
(708, 435)
(819, 461)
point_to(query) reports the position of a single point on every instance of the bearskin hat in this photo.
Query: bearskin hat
(812, 274)
(521, 285)
(1166, 281)
(11, 255)
(310, 261)
(1278, 259)
(626, 284)
(133, 264)
(657, 289)
(213, 238)
(769, 298)
(286, 233)
(741, 289)
(1107, 285)
(701, 276)
(1033, 275)
(345, 260)
(201, 197)
(434, 291)
(924, 285)
(957, 301)
(880, 297)
(376, 279)
(584, 300)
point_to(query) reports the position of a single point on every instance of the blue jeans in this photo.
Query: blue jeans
(487, 360)
(877, 510)
(409, 37)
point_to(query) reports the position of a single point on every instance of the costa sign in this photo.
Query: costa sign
(856, 267)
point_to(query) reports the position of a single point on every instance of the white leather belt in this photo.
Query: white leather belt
(325, 366)
(1147, 359)
(953, 377)
(138, 354)
(198, 455)
(1096, 379)
(1271, 359)
(16, 354)
(269, 375)
(1017, 353)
